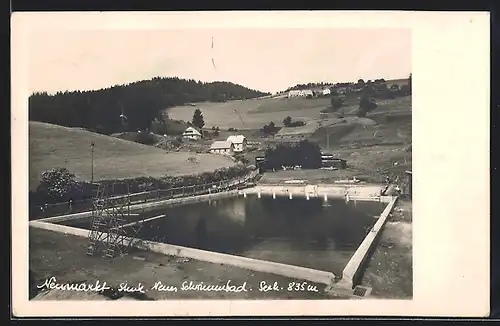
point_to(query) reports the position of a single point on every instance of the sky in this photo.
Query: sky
(268, 60)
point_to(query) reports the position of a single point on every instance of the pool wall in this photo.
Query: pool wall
(354, 267)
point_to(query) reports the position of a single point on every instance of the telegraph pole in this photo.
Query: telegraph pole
(92, 161)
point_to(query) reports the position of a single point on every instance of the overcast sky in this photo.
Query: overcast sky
(265, 59)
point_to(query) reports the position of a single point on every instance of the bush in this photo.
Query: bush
(159, 127)
(297, 123)
(59, 184)
(270, 129)
(145, 138)
(289, 123)
(241, 158)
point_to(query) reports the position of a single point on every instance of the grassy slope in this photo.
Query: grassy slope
(255, 113)
(55, 146)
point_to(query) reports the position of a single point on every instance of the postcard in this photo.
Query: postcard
(250, 163)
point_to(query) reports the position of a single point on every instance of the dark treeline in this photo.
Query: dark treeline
(140, 102)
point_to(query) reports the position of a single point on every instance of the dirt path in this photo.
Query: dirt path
(389, 271)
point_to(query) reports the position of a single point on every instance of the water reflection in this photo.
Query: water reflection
(295, 231)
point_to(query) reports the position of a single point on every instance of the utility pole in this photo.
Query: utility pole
(327, 139)
(92, 161)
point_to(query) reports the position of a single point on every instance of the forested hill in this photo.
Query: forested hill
(141, 102)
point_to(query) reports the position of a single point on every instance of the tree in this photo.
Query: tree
(336, 103)
(305, 153)
(158, 127)
(409, 84)
(269, 129)
(198, 119)
(405, 89)
(59, 184)
(287, 121)
(367, 104)
(395, 87)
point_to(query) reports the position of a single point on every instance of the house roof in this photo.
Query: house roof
(221, 144)
(191, 131)
(236, 139)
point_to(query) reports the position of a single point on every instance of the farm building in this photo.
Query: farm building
(300, 93)
(239, 142)
(222, 147)
(191, 133)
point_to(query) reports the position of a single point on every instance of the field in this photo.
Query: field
(254, 113)
(53, 146)
(259, 112)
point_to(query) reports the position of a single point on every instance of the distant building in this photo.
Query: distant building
(325, 156)
(191, 133)
(260, 162)
(222, 147)
(327, 161)
(326, 91)
(239, 142)
(300, 93)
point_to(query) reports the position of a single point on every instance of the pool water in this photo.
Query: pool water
(308, 233)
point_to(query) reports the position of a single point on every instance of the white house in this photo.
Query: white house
(239, 142)
(191, 133)
(326, 91)
(222, 147)
(300, 93)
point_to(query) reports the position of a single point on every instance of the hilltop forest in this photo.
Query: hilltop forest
(131, 106)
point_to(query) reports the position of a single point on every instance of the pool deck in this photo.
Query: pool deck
(69, 263)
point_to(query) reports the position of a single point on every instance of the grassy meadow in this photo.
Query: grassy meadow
(53, 146)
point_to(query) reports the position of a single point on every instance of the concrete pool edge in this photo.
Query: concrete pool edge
(355, 265)
(349, 192)
(292, 271)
